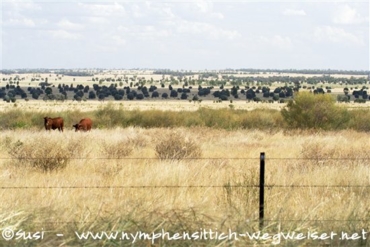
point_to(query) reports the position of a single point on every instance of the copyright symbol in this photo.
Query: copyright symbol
(7, 234)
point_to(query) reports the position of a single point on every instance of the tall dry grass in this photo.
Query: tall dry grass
(126, 193)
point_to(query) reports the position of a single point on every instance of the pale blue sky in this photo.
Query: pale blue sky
(192, 34)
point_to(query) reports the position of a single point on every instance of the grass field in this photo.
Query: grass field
(98, 194)
(167, 105)
(180, 179)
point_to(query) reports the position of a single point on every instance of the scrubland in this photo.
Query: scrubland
(187, 171)
(183, 179)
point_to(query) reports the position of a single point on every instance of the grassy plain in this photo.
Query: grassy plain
(162, 105)
(147, 194)
(315, 181)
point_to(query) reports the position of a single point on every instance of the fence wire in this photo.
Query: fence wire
(183, 186)
(225, 186)
(269, 220)
(268, 186)
(212, 158)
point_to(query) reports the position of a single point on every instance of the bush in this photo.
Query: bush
(176, 147)
(184, 96)
(118, 97)
(256, 99)
(116, 149)
(130, 96)
(7, 98)
(360, 120)
(108, 116)
(223, 97)
(309, 111)
(92, 95)
(43, 154)
(359, 101)
(173, 94)
(262, 119)
(76, 97)
(139, 96)
(155, 94)
(343, 98)
(275, 97)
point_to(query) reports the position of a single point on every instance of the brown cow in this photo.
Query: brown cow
(85, 125)
(53, 123)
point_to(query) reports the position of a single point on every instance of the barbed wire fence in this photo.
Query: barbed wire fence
(261, 186)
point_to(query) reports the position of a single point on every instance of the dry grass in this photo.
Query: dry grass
(163, 105)
(124, 204)
(175, 146)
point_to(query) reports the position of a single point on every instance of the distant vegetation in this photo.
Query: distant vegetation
(303, 71)
(224, 85)
(308, 111)
(74, 72)
(205, 72)
(192, 90)
(264, 71)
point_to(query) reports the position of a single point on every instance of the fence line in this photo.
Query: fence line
(269, 220)
(212, 158)
(262, 155)
(261, 184)
(131, 187)
(128, 158)
(183, 186)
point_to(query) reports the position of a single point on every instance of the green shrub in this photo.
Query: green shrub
(276, 97)
(256, 99)
(359, 120)
(309, 111)
(7, 98)
(17, 118)
(359, 101)
(262, 119)
(221, 118)
(109, 117)
(342, 98)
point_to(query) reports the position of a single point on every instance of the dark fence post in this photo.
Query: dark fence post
(262, 188)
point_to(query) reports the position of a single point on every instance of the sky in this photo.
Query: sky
(185, 35)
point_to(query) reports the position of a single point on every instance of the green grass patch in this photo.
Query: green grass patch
(307, 111)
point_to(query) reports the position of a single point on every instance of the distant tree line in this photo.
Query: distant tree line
(294, 79)
(75, 73)
(80, 72)
(24, 71)
(302, 71)
(174, 72)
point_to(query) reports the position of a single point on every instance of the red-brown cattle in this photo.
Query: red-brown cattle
(85, 125)
(53, 123)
